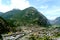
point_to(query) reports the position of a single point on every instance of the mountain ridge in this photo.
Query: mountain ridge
(26, 17)
(55, 22)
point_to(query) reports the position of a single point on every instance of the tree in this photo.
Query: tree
(4, 27)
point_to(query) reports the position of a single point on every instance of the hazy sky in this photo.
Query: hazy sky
(49, 8)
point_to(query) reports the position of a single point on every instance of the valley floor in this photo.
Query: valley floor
(40, 33)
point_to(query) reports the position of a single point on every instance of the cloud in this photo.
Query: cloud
(53, 10)
(18, 4)
(51, 17)
(52, 13)
(44, 6)
(43, 1)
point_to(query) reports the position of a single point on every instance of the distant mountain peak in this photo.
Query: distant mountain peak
(1, 13)
(27, 16)
(56, 21)
(16, 9)
(31, 8)
(58, 18)
(13, 10)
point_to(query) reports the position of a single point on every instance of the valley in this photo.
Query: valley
(30, 22)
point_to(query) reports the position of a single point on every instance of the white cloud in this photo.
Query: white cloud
(18, 4)
(43, 1)
(52, 12)
(51, 17)
(44, 6)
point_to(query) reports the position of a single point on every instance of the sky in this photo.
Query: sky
(49, 8)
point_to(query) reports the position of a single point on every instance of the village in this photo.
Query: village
(26, 32)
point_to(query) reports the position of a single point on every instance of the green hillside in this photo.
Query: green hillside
(4, 28)
(28, 16)
(1, 13)
(10, 14)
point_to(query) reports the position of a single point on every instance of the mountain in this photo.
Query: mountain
(51, 21)
(1, 13)
(28, 16)
(9, 14)
(55, 22)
